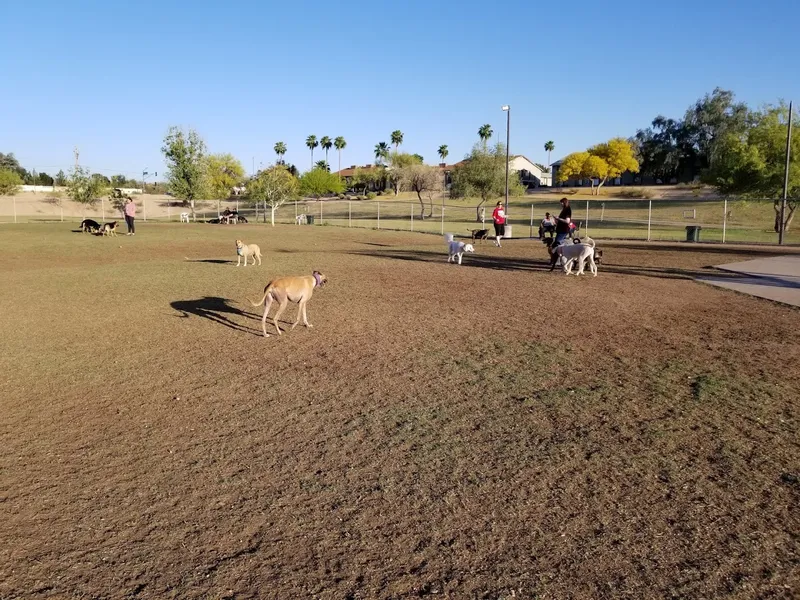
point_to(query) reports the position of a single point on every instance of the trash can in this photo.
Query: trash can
(693, 233)
(507, 233)
(309, 219)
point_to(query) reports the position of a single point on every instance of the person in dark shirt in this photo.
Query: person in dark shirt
(563, 221)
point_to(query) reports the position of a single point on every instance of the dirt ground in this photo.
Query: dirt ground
(485, 431)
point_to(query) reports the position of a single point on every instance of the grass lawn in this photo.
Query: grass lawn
(484, 431)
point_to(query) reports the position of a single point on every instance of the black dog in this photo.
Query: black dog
(479, 234)
(90, 226)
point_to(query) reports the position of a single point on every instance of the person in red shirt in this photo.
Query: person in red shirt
(130, 215)
(499, 218)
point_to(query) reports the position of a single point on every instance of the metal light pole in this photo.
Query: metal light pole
(786, 177)
(507, 109)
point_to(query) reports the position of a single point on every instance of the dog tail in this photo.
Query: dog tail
(589, 240)
(267, 290)
(448, 237)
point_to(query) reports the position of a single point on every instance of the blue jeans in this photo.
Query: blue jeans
(560, 237)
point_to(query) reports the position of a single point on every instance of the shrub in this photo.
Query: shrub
(371, 195)
(341, 196)
(635, 193)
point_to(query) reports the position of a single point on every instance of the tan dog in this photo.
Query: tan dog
(247, 251)
(286, 289)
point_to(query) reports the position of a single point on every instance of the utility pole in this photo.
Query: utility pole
(782, 225)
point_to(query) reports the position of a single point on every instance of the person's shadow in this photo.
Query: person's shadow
(216, 309)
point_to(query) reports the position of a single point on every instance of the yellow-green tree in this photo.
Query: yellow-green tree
(610, 159)
(224, 172)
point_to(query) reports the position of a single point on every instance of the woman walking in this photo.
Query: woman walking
(499, 218)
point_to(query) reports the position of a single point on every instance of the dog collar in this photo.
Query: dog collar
(239, 251)
(317, 282)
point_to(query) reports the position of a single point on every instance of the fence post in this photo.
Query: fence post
(144, 209)
(349, 213)
(724, 219)
(320, 211)
(412, 216)
(62, 212)
(587, 217)
(14, 200)
(379, 214)
(103, 208)
(256, 219)
(531, 233)
(442, 216)
(237, 204)
(296, 222)
(649, 218)
(169, 211)
(602, 210)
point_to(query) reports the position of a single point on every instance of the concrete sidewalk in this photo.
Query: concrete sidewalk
(776, 278)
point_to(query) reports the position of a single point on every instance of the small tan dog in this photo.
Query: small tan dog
(286, 289)
(247, 251)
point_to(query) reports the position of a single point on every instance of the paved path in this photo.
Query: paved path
(776, 278)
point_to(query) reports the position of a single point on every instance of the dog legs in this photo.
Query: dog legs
(284, 302)
(239, 260)
(267, 306)
(259, 259)
(302, 314)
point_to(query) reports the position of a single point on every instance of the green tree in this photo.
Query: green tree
(397, 139)
(752, 164)
(118, 181)
(105, 181)
(10, 162)
(340, 144)
(483, 174)
(381, 152)
(397, 162)
(184, 152)
(45, 179)
(321, 164)
(443, 152)
(318, 182)
(326, 144)
(311, 143)
(485, 133)
(549, 147)
(280, 150)
(274, 186)
(224, 172)
(61, 178)
(9, 182)
(421, 179)
(84, 188)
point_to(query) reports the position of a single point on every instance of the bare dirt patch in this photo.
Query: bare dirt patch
(484, 431)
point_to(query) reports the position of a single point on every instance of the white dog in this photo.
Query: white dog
(579, 253)
(301, 219)
(456, 249)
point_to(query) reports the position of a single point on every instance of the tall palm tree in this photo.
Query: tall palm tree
(485, 132)
(340, 145)
(397, 139)
(322, 164)
(549, 147)
(326, 144)
(381, 152)
(443, 152)
(280, 150)
(311, 142)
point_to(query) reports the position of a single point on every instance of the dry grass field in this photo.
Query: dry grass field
(486, 431)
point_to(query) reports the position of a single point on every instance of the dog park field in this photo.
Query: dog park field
(489, 430)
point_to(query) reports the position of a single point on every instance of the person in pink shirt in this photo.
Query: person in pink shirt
(130, 215)
(499, 218)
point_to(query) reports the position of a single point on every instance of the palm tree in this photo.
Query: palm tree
(381, 152)
(549, 147)
(397, 139)
(280, 150)
(485, 132)
(322, 164)
(340, 145)
(443, 152)
(326, 144)
(311, 142)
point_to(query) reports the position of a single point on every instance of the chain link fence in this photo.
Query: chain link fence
(707, 220)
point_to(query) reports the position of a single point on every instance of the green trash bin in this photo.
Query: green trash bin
(693, 233)
(310, 219)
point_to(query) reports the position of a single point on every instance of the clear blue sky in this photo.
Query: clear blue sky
(111, 77)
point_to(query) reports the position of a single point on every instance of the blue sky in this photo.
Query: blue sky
(111, 78)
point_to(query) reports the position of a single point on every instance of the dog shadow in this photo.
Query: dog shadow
(213, 261)
(216, 309)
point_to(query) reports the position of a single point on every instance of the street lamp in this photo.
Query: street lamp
(507, 110)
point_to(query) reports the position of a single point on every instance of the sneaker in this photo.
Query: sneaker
(128, 233)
